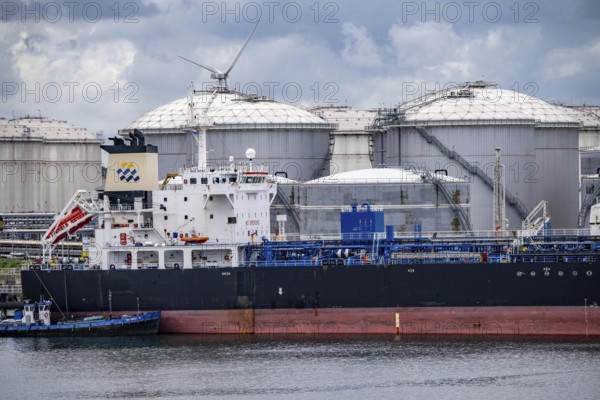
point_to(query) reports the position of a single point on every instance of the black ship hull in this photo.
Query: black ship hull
(535, 298)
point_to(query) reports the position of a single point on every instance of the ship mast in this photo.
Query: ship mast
(499, 202)
(199, 126)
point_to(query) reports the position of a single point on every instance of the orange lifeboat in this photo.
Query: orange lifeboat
(194, 239)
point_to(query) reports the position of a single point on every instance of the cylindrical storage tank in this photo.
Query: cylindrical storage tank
(407, 197)
(43, 162)
(458, 130)
(286, 138)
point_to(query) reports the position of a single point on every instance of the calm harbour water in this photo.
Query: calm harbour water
(326, 367)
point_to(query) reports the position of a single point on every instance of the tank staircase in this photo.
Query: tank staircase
(588, 202)
(459, 211)
(321, 168)
(514, 201)
(288, 206)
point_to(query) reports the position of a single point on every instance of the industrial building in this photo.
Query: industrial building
(456, 130)
(291, 141)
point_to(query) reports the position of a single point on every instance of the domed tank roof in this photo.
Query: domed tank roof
(261, 112)
(225, 109)
(40, 128)
(480, 101)
(377, 176)
(175, 114)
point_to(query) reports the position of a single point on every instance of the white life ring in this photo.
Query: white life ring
(46, 314)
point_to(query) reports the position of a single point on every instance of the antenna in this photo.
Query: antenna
(218, 74)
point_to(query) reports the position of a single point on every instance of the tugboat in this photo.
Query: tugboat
(34, 320)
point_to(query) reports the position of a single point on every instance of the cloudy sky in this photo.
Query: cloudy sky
(102, 64)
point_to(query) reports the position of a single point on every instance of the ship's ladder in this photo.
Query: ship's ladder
(535, 223)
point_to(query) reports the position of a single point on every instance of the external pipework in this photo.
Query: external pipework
(141, 140)
(132, 139)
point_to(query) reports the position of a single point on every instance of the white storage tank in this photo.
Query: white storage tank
(457, 130)
(43, 162)
(289, 139)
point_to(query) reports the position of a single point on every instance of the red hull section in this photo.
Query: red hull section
(431, 320)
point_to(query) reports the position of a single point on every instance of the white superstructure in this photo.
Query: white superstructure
(197, 218)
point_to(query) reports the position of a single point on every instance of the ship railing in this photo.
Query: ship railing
(143, 226)
(245, 168)
(313, 262)
(361, 208)
(449, 257)
(54, 267)
(173, 187)
(490, 234)
(281, 263)
(345, 236)
(484, 234)
(146, 266)
(547, 258)
(131, 207)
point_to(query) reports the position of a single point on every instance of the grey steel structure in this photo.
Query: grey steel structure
(457, 129)
(435, 202)
(589, 151)
(286, 138)
(43, 162)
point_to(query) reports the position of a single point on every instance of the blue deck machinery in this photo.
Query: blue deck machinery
(365, 240)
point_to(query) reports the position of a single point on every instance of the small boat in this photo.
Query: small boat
(38, 323)
(194, 239)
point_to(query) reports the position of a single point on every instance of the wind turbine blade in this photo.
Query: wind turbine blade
(211, 69)
(241, 50)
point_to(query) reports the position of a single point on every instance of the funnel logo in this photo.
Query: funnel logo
(128, 172)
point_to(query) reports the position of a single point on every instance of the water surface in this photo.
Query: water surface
(304, 367)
